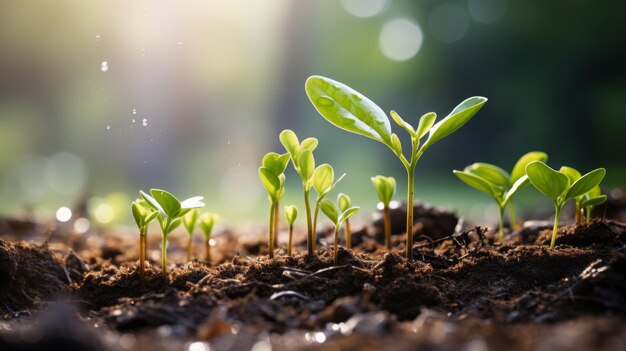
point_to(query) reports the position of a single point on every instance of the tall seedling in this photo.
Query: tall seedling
(273, 179)
(350, 110)
(143, 215)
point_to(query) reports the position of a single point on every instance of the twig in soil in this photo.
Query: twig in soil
(288, 293)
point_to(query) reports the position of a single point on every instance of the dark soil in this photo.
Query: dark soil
(460, 292)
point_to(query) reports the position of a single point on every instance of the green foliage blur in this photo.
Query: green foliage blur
(98, 100)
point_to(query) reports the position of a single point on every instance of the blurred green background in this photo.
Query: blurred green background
(101, 99)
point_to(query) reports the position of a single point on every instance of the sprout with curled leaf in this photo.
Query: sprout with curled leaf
(291, 212)
(171, 212)
(189, 222)
(518, 171)
(344, 203)
(348, 109)
(301, 155)
(498, 183)
(585, 202)
(385, 188)
(207, 222)
(557, 186)
(273, 179)
(338, 218)
(323, 183)
(143, 215)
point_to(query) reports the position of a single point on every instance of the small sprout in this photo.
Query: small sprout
(143, 215)
(585, 202)
(189, 222)
(557, 186)
(301, 155)
(592, 199)
(323, 183)
(207, 222)
(338, 218)
(344, 203)
(497, 183)
(171, 212)
(273, 179)
(291, 212)
(386, 189)
(519, 170)
(350, 110)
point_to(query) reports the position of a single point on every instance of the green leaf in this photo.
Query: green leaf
(348, 109)
(290, 141)
(344, 202)
(519, 183)
(329, 209)
(385, 188)
(151, 217)
(489, 172)
(291, 212)
(425, 124)
(396, 146)
(173, 225)
(548, 181)
(168, 202)
(399, 121)
(152, 202)
(192, 202)
(308, 143)
(307, 164)
(190, 220)
(593, 201)
(323, 177)
(331, 188)
(520, 166)
(455, 120)
(139, 214)
(207, 221)
(571, 173)
(275, 162)
(479, 183)
(271, 182)
(594, 192)
(347, 214)
(585, 183)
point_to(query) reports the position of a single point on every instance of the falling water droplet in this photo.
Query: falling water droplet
(324, 101)
(144, 122)
(98, 37)
(108, 127)
(134, 111)
(133, 120)
(104, 66)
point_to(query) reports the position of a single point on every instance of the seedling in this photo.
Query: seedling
(344, 203)
(498, 183)
(189, 222)
(143, 215)
(559, 188)
(519, 170)
(207, 222)
(385, 188)
(301, 155)
(291, 212)
(338, 218)
(323, 183)
(273, 179)
(350, 110)
(171, 212)
(586, 202)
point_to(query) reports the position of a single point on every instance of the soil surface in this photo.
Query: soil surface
(461, 291)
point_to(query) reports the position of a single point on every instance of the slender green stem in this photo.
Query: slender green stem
(276, 220)
(409, 212)
(336, 245)
(315, 215)
(588, 214)
(556, 226)
(164, 257)
(578, 217)
(271, 229)
(207, 250)
(190, 248)
(290, 239)
(387, 226)
(512, 217)
(142, 254)
(501, 225)
(310, 245)
(348, 233)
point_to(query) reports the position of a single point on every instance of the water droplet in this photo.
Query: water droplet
(324, 101)
(108, 127)
(144, 122)
(133, 120)
(98, 37)
(356, 97)
(104, 66)
(228, 142)
(134, 111)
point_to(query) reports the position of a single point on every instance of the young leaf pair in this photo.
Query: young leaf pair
(386, 189)
(498, 183)
(170, 213)
(143, 215)
(560, 188)
(321, 178)
(586, 202)
(272, 176)
(338, 216)
(350, 110)
(206, 221)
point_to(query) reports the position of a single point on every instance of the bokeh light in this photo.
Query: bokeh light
(400, 39)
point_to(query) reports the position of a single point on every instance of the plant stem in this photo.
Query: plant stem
(189, 248)
(310, 236)
(409, 212)
(556, 226)
(501, 226)
(142, 255)
(164, 257)
(336, 245)
(588, 214)
(276, 220)
(387, 226)
(207, 250)
(315, 216)
(512, 217)
(290, 239)
(271, 229)
(578, 217)
(348, 235)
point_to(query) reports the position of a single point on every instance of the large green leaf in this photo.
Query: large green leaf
(271, 182)
(520, 166)
(478, 183)
(290, 141)
(168, 202)
(275, 162)
(152, 202)
(489, 172)
(306, 164)
(323, 177)
(348, 109)
(585, 183)
(459, 116)
(547, 180)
